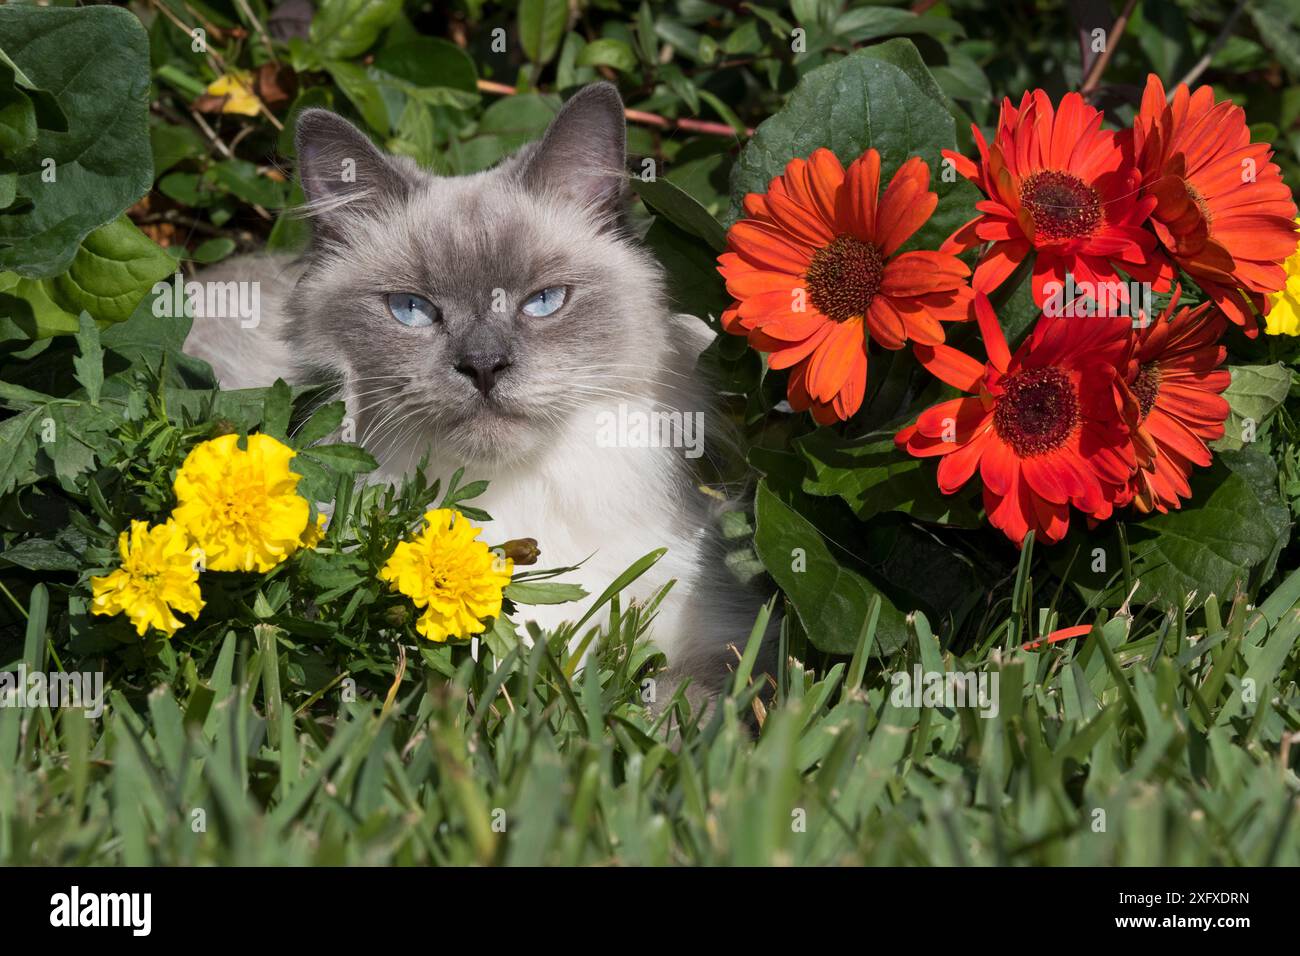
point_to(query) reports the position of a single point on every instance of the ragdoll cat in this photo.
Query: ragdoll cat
(498, 321)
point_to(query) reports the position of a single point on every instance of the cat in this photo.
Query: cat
(507, 321)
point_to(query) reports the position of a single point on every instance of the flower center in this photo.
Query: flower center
(1202, 206)
(1061, 205)
(1146, 387)
(1037, 411)
(241, 507)
(843, 277)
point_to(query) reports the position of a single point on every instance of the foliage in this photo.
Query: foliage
(1133, 747)
(243, 716)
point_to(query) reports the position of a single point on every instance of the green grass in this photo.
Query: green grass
(1133, 745)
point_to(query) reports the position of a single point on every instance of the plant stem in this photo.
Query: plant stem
(686, 125)
(1216, 44)
(1091, 81)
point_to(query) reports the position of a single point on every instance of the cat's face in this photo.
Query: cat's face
(474, 315)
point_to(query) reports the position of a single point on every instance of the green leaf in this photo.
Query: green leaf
(1276, 20)
(278, 409)
(506, 125)
(544, 592)
(831, 600)
(172, 145)
(70, 446)
(342, 29)
(42, 554)
(213, 250)
(359, 87)
(681, 210)
(17, 120)
(323, 422)
(97, 59)
(541, 27)
(873, 476)
(1234, 524)
(693, 281)
(112, 272)
(882, 97)
(608, 52)
(430, 61)
(241, 178)
(1255, 393)
(351, 459)
(725, 112)
(89, 363)
(27, 303)
(872, 23)
(18, 448)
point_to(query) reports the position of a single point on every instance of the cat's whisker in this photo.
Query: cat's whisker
(603, 366)
(382, 390)
(629, 396)
(375, 429)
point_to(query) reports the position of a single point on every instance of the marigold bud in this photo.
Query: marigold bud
(521, 550)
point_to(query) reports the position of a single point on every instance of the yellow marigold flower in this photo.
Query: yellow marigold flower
(315, 533)
(237, 88)
(1283, 316)
(453, 577)
(158, 575)
(241, 506)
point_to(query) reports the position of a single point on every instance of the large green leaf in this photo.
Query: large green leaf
(95, 61)
(830, 599)
(1255, 393)
(873, 476)
(430, 61)
(1234, 525)
(112, 272)
(26, 303)
(881, 97)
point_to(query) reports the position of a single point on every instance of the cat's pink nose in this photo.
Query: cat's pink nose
(482, 370)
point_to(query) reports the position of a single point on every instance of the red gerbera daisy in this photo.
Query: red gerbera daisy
(1176, 380)
(1062, 187)
(1222, 209)
(815, 272)
(1044, 426)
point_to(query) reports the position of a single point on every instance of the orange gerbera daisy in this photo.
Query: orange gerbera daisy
(1222, 209)
(1060, 186)
(816, 272)
(1177, 382)
(1044, 426)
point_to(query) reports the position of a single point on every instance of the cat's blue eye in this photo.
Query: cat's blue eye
(412, 310)
(547, 302)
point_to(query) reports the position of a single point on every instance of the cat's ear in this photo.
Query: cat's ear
(339, 166)
(583, 154)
